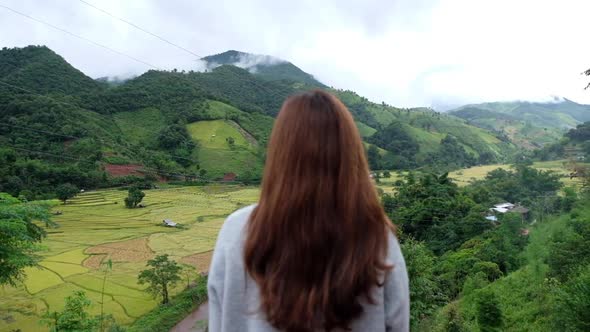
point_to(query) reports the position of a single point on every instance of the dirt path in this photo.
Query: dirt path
(243, 131)
(195, 322)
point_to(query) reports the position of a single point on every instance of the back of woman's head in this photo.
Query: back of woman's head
(317, 241)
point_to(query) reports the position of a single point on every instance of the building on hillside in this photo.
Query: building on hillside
(507, 208)
(169, 223)
(492, 218)
(502, 208)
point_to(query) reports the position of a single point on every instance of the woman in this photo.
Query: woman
(317, 253)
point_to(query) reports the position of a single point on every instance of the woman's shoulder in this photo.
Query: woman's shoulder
(233, 227)
(394, 252)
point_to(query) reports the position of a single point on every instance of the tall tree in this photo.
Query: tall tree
(454, 320)
(573, 303)
(373, 157)
(489, 313)
(134, 197)
(66, 191)
(19, 236)
(425, 293)
(160, 276)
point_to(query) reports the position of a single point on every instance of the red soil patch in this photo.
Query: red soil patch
(124, 170)
(94, 261)
(229, 177)
(200, 261)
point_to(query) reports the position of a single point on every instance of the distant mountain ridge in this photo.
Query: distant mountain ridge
(527, 124)
(58, 120)
(265, 66)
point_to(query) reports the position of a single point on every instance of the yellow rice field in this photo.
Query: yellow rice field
(96, 226)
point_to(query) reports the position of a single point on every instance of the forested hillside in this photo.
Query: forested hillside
(519, 270)
(59, 126)
(574, 146)
(529, 125)
(546, 287)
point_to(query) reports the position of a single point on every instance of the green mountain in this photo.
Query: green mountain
(264, 66)
(43, 71)
(527, 124)
(66, 127)
(416, 137)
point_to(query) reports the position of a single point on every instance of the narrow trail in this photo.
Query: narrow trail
(195, 322)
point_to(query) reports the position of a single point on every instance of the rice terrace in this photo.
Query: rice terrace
(96, 226)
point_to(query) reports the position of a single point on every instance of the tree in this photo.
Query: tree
(489, 314)
(573, 303)
(453, 318)
(373, 157)
(19, 236)
(74, 316)
(175, 136)
(66, 191)
(433, 209)
(134, 197)
(569, 248)
(188, 271)
(231, 142)
(424, 292)
(161, 275)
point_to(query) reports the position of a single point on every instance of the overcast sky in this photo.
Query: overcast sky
(404, 52)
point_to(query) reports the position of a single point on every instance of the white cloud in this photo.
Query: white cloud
(404, 52)
(249, 61)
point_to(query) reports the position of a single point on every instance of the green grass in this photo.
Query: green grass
(428, 141)
(365, 130)
(40, 278)
(217, 156)
(219, 110)
(93, 219)
(213, 134)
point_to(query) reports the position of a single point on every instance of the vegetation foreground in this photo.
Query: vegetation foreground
(96, 225)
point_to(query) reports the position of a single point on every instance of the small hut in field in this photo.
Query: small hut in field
(169, 223)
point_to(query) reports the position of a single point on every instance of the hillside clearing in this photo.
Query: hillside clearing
(217, 155)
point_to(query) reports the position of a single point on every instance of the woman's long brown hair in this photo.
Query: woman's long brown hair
(317, 241)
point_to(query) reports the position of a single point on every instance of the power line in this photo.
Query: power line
(78, 36)
(162, 39)
(141, 29)
(252, 82)
(131, 57)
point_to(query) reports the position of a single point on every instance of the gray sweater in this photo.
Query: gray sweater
(234, 296)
